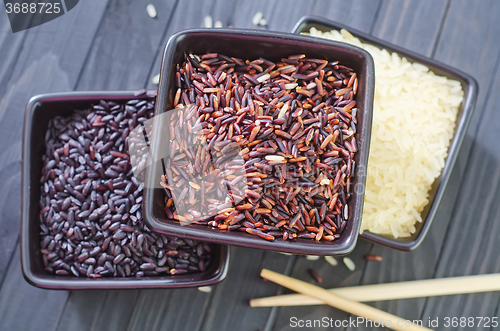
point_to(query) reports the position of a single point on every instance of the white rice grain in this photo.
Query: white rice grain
(151, 10)
(207, 22)
(349, 263)
(275, 158)
(206, 289)
(414, 116)
(331, 260)
(256, 18)
(156, 79)
(263, 78)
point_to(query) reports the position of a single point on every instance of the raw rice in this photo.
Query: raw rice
(207, 22)
(414, 118)
(331, 260)
(151, 10)
(156, 79)
(349, 263)
(294, 150)
(206, 289)
(312, 257)
(257, 18)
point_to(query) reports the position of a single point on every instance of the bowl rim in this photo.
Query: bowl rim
(471, 90)
(216, 235)
(58, 282)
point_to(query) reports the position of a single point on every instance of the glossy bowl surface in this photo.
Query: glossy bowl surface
(250, 44)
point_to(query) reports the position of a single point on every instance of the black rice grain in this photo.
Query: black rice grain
(91, 219)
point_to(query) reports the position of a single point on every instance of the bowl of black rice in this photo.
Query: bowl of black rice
(82, 224)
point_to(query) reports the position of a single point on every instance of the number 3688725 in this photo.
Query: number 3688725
(33, 8)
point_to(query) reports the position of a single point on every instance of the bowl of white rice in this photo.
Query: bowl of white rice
(420, 115)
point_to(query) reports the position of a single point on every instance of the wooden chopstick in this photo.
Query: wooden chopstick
(392, 291)
(352, 307)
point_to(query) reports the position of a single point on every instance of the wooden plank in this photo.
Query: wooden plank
(469, 43)
(24, 307)
(281, 15)
(338, 276)
(136, 303)
(79, 313)
(421, 264)
(224, 308)
(10, 48)
(98, 309)
(414, 262)
(148, 308)
(175, 309)
(275, 310)
(361, 15)
(229, 308)
(358, 14)
(50, 61)
(471, 245)
(242, 19)
(412, 24)
(10, 164)
(190, 15)
(116, 311)
(120, 58)
(126, 45)
(223, 11)
(497, 310)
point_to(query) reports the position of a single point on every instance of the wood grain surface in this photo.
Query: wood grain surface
(110, 45)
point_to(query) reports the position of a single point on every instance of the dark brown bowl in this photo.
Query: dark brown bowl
(248, 44)
(470, 87)
(40, 109)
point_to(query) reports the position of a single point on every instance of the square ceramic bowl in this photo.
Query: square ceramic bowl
(249, 44)
(465, 111)
(39, 111)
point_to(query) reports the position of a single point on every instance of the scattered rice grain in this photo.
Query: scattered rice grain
(207, 22)
(257, 18)
(156, 79)
(331, 260)
(151, 10)
(206, 289)
(349, 264)
(312, 257)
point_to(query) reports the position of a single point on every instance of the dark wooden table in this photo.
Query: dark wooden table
(115, 45)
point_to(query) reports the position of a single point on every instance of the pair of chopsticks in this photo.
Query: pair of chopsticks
(348, 299)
